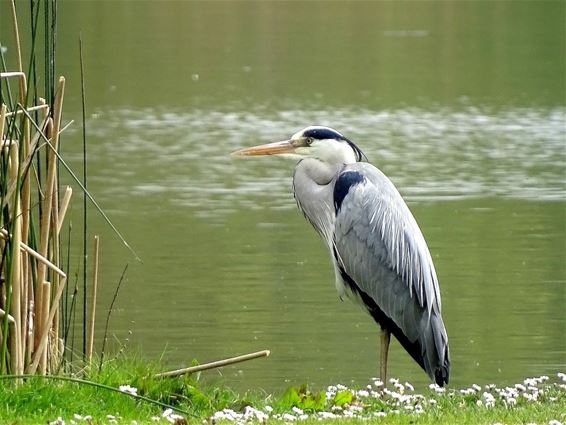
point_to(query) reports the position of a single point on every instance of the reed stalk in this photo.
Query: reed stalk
(41, 352)
(32, 281)
(92, 316)
(63, 207)
(213, 365)
(27, 310)
(15, 282)
(45, 333)
(4, 235)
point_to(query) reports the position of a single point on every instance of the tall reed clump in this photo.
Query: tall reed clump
(33, 205)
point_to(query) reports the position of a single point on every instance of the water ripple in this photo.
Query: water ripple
(429, 154)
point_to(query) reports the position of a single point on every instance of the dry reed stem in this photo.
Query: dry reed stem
(45, 320)
(26, 163)
(92, 316)
(30, 109)
(48, 202)
(35, 254)
(63, 207)
(16, 359)
(11, 319)
(213, 365)
(55, 258)
(57, 116)
(30, 326)
(10, 74)
(25, 195)
(2, 122)
(41, 267)
(45, 333)
(27, 275)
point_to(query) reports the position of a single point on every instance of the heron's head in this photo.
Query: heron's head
(322, 143)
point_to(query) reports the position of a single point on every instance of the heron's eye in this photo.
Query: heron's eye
(309, 141)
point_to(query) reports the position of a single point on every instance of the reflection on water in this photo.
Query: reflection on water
(430, 155)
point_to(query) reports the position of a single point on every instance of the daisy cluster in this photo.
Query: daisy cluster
(168, 416)
(375, 400)
(400, 398)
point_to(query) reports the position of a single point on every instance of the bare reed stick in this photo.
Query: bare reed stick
(55, 254)
(92, 315)
(63, 207)
(11, 319)
(44, 220)
(213, 365)
(35, 254)
(48, 201)
(16, 359)
(2, 122)
(30, 109)
(45, 319)
(45, 333)
(30, 326)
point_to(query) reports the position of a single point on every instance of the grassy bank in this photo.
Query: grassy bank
(539, 400)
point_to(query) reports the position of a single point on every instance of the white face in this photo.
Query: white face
(326, 150)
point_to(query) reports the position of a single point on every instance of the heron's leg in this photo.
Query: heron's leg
(385, 337)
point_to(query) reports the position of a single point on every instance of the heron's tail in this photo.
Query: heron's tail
(437, 362)
(431, 349)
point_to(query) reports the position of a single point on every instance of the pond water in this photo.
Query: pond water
(460, 104)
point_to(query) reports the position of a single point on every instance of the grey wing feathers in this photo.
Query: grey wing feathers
(380, 247)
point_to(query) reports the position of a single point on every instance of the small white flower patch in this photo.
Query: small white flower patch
(251, 413)
(399, 398)
(297, 410)
(437, 388)
(289, 417)
(489, 399)
(58, 421)
(377, 382)
(128, 389)
(327, 415)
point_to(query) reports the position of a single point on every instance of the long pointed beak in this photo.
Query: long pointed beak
(267, 149)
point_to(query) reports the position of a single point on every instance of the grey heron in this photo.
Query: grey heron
(379, 254)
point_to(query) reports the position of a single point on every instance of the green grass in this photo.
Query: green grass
(39, 401)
